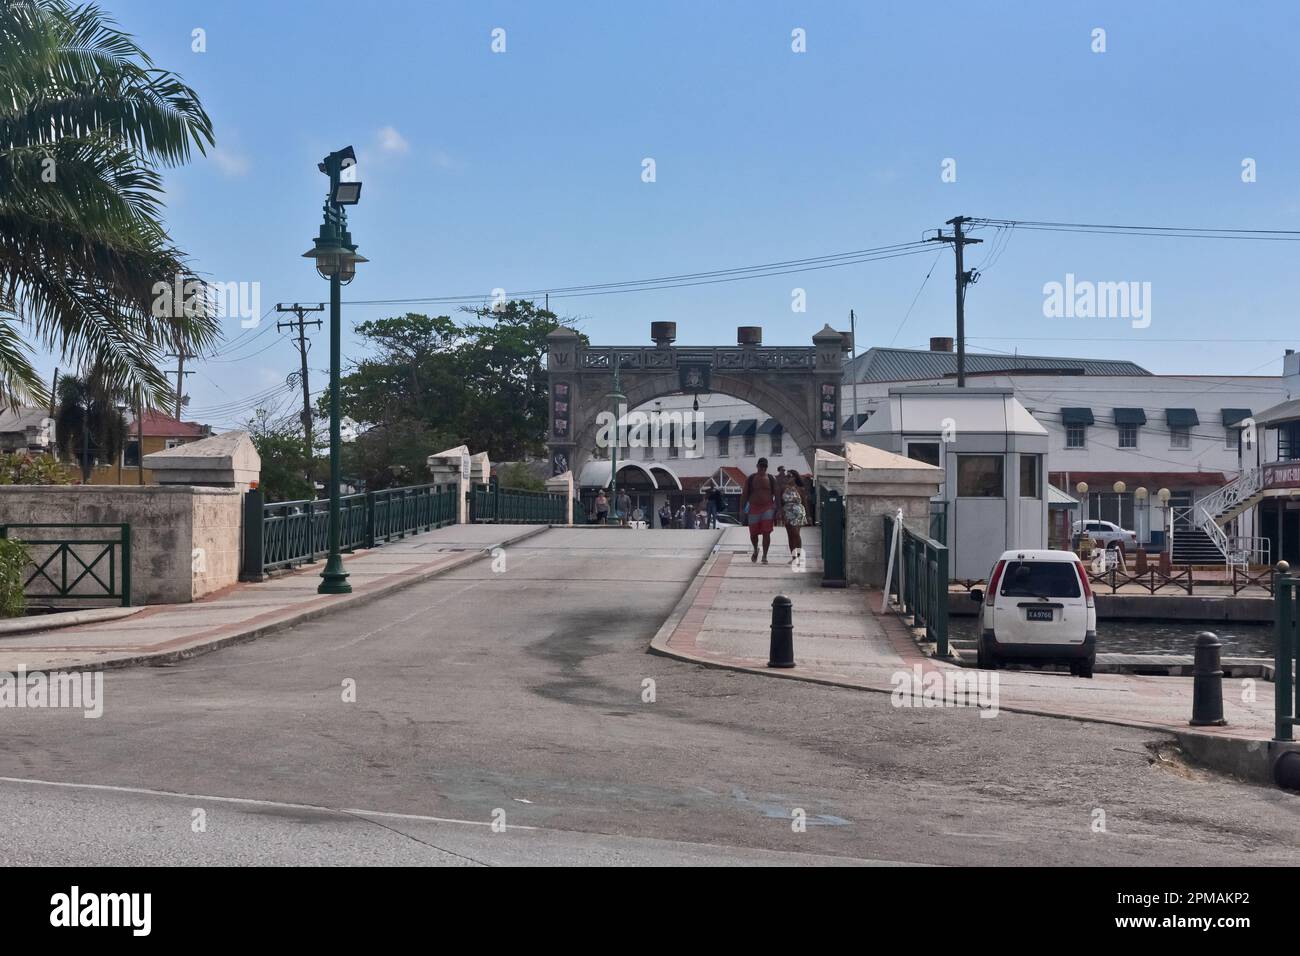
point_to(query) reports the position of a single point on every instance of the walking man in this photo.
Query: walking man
(758, 504)
(715, 504)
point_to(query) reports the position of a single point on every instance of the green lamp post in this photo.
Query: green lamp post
(336, 260)
(619, 398)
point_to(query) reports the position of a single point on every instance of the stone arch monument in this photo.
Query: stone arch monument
(797, 385)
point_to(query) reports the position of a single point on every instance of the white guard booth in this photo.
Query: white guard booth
(994, 458)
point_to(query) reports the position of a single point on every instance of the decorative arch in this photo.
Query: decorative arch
(799, 386)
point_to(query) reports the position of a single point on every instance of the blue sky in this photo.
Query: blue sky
(522, 169)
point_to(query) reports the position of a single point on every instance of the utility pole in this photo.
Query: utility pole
(180, 358)
(853, 354)
(303, 347)
(964, 278)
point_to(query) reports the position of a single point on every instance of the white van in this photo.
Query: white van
(1038, 607)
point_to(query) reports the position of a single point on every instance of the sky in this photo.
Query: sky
(525, 169)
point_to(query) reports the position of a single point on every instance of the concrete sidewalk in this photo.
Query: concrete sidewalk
(841, 638)
(247, 611)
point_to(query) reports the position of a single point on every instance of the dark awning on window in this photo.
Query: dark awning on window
(1077, 416)
(1181, 417)
(851, 425)
(746, 427)
(770, 427)
(1130, 416)
(719, 430)
(1233, 416)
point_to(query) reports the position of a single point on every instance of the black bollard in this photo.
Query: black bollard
(782, 649)
(1286, 770)
(1207, 683)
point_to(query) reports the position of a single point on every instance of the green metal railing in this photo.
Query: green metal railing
(78, 568)
(289, 533)
(939, 520)
(492, 504)
(1286, 693)
(919, 581)
(830, 517)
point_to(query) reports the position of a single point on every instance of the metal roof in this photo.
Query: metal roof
(902, 365)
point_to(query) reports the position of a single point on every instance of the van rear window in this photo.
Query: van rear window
(1040, 579)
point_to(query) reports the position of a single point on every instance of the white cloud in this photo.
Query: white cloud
(391, 141)
(230, 163)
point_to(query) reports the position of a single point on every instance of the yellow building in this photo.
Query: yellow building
(160, 433)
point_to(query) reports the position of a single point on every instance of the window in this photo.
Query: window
(749, 445)
(926, 451)
(1180, 436)
(979, 476)
(131, 454)
(174, 443)
(724, 444)
(1231, 438)
(1076, 436)
(1029, 471)
(1128, 436)
(776, 443)
(1040, 579)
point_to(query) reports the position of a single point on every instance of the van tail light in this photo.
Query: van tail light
(1080, 570)
(993, 581)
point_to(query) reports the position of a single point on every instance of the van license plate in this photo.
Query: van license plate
(1038, 614)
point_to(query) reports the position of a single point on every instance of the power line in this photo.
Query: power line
(1172, 232)
(683, 280)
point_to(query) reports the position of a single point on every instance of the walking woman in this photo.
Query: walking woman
(795, 515)
(758, 504)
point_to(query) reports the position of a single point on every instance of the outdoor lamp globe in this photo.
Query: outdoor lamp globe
(1081, 487)
(1119, 487)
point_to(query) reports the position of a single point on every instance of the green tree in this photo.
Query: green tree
(393, 454)
(88, 424)
(284, 458)
(85, 124)
(480, 382)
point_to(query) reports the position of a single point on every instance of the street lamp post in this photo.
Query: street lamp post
(336, 260)
(619, 398)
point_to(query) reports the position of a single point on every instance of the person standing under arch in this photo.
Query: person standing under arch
(758, 504)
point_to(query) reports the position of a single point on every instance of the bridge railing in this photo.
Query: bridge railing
(918, 579)
(493, 504)
(76, 561)
(285, 534)
(1286, 694)
(831, 520)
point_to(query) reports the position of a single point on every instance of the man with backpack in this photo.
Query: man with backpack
(758, 505)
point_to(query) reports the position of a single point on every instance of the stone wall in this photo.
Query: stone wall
(168, 524)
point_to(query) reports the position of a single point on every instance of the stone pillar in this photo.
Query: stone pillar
(827, 409)
(562, 484)
(879, 483)
(562, 398)
(223, 461)
(455, 466)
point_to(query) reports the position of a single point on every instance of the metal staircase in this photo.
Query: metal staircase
(1205, 541)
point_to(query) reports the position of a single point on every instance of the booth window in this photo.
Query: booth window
(979, 476)
(926, 451)
(1029, 486)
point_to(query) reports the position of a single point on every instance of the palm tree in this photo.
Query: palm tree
(88, 423)
(86, 121)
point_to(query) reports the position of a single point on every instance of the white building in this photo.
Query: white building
(1107, 421)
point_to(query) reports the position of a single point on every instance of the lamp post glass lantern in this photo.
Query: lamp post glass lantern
(336, 259)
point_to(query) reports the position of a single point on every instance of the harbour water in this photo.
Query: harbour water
(1155, 637)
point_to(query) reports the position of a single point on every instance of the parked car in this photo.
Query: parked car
(1108, 535)
(727, 521)
(1038, 607)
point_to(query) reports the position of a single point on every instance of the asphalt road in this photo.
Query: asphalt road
(518, 696)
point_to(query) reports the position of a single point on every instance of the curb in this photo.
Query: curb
(49, 622)
(1239, 756)
(355, 599)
